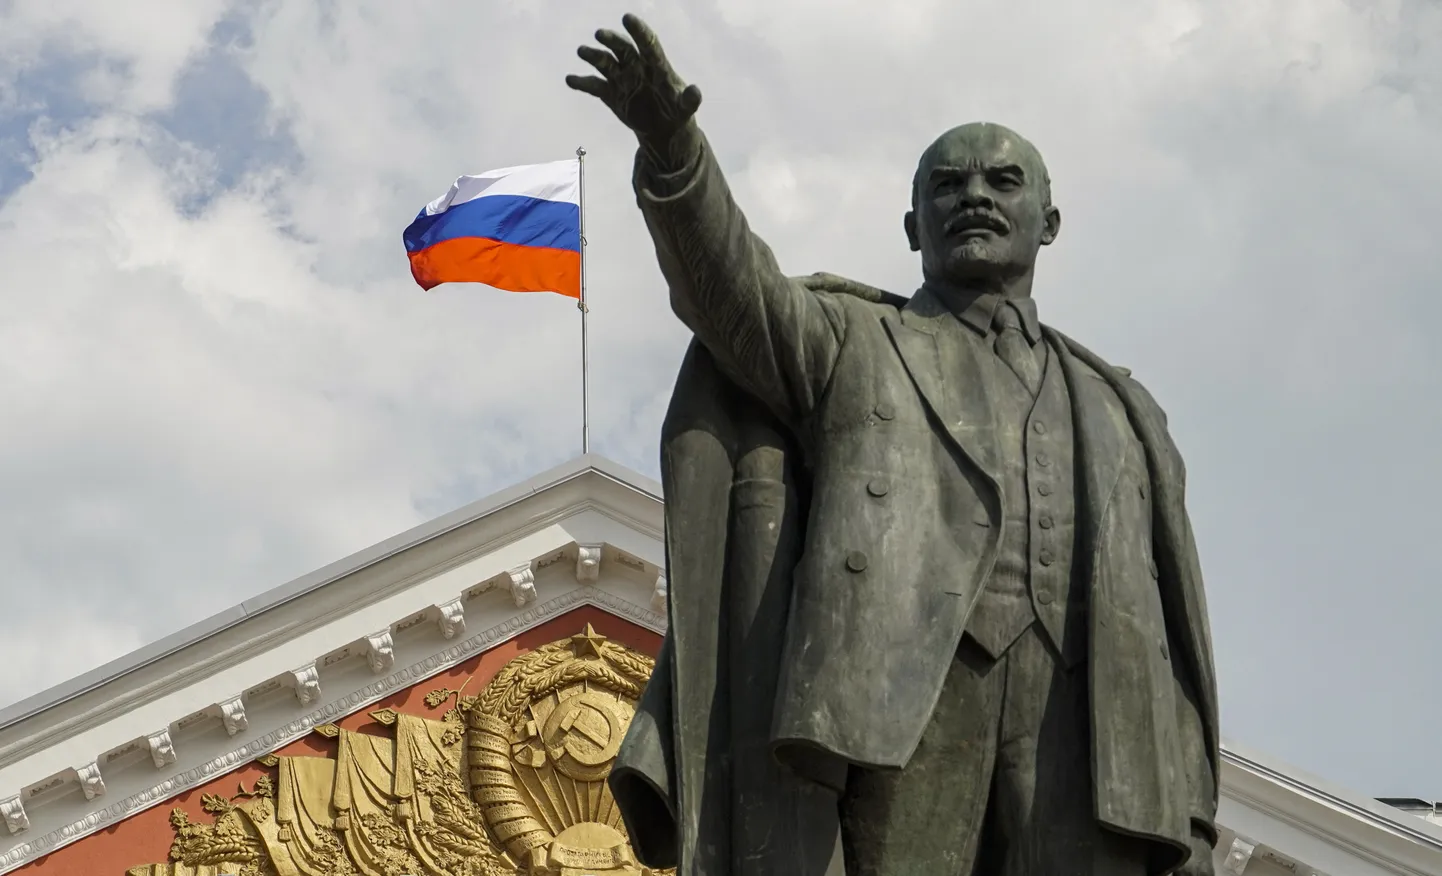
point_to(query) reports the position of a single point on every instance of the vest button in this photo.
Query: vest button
(1045, 557)
(1044, 489)
(1152, 568)
(1044, 522)
(1166, 655)
(1043, 596)
(1039, 427)
(856, 561)
(1142, 491)
(1043, 460)
(885, 411)
(878, 487)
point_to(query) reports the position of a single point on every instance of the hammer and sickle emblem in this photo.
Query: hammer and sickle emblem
(583, 735)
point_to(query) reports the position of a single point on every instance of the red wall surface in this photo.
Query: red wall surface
(145, 838)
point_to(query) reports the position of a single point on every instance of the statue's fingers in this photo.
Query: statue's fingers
(618, 44)
(820, 282)
(647, 43)
(836, 284)
(592, 85)
(603, 61)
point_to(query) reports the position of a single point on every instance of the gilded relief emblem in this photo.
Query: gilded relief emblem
(540, 742)
(507, 782)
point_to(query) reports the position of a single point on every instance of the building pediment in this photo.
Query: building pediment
(209, 700)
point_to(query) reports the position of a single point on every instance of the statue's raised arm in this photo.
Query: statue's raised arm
(774, 337)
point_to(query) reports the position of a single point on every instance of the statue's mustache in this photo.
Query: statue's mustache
(976, 218)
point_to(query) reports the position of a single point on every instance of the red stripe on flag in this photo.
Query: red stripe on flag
(501, 265)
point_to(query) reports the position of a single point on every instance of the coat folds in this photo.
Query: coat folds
(698, 780)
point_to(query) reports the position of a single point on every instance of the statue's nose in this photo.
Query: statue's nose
(974, 193)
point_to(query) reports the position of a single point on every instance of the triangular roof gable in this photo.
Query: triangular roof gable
(197, 704)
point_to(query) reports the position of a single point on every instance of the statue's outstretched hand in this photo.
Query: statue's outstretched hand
(637, 82)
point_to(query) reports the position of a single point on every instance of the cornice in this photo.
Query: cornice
(590, 480)
(567, 499)
(1361, 829)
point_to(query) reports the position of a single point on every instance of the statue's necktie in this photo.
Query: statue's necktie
(1013, 348)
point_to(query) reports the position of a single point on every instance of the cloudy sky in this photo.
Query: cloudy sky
(217, 373)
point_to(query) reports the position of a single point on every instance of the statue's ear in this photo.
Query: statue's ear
(1050, 225)
(909, 222)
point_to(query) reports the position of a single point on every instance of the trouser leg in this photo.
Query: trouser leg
(926, 818)
(1042, 811)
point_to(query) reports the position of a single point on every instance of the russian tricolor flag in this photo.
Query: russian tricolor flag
(517, 229)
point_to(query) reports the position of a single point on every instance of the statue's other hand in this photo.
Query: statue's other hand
(838, 285)
(637, 83)
(822, 281)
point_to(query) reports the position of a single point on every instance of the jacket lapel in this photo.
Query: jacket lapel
(945, 365)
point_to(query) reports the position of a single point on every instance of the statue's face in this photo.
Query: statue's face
(982, 209)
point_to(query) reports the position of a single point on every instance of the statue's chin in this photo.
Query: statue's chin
(983, 259)
(976, 258)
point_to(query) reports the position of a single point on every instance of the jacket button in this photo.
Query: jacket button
(856, 561)
(885, 411)
(878, 487)
(1043, 596)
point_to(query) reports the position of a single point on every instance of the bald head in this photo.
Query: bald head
(981, 208)
(964, 143)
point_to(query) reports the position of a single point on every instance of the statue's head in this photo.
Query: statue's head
(980, 206)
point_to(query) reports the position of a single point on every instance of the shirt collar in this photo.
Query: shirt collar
(977, 311)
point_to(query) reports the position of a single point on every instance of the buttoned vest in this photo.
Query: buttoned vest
(1033, 576)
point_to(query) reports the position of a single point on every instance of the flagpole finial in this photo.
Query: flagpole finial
(580, 151)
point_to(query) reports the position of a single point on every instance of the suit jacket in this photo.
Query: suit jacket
(813, 621)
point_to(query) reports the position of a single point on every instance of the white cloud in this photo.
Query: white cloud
(144, 46)
(217, 397)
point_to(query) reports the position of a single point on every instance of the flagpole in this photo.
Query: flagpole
(585, 351)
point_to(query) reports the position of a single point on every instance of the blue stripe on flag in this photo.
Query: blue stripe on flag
(514, 219)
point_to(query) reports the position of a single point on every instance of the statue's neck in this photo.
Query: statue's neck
(970, 289)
